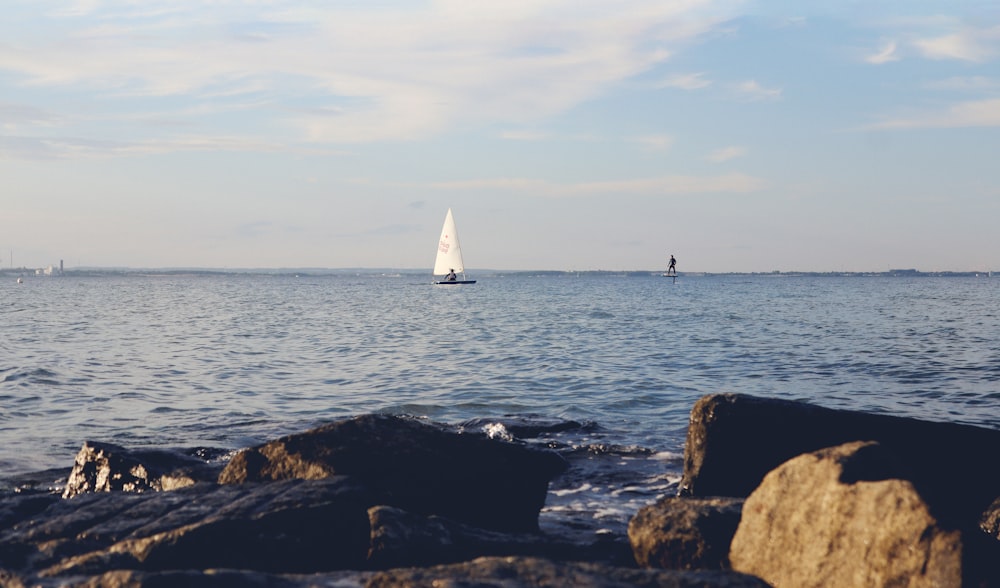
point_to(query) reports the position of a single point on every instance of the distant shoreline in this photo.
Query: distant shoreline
(485, 273)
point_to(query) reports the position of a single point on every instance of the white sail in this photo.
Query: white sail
(449, 253)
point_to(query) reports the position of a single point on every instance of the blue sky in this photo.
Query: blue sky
(565, 135)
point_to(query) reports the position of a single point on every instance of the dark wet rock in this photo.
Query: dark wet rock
(36, 482)
(734, 440)
(62, 529)
(205, 579)
(105, 467)
(15, 508)
(420, 467)
(840, 517)
(685, 533)
(510, 572)
(289, 526)
(400, 538)
(526, 572)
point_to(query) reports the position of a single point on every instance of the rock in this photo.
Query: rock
(685, 533)
(990, 521)
(734, 440)
(104, 467)
(211, 579)
(506, 572)
(420, 467)
(521, 572)
(15, 508)
(11, 580)
(67, 528)
(838, 517)
(400, 539)
(288, 526)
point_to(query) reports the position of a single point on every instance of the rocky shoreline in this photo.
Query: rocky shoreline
(774, 493)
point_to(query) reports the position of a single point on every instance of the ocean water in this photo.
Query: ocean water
(602, 368)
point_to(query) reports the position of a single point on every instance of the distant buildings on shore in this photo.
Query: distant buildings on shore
(42, 271)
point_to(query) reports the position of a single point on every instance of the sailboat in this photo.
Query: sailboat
(449, 255)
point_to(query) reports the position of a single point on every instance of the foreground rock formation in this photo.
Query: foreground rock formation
(389, 501)
(330, 506)
(836, 498)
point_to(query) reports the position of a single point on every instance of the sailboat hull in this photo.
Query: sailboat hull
(454, 282)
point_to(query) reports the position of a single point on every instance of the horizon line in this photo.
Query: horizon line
(264, 269)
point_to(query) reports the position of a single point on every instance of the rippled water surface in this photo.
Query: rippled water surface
(228, 360)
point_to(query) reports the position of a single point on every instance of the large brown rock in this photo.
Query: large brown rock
(419, 467)
(836, 517)
(733, 440)
(685, 533)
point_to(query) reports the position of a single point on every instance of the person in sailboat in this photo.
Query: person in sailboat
(672, 267)
(451, 277)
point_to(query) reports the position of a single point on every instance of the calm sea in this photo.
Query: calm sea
(609, 366)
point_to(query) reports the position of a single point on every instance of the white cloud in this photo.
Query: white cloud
(969, 44)
(965, 84)
(77, 8)
(389, 72)
(726, 153)
(752, 90)
(691, 81)
(69, 147)
(978, 113)
(12, 115)
(793, 21)
(664, 185)
(655, 142)
(533, 135)
(524, 135)
(886, 54)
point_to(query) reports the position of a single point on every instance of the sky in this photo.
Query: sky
(563, 134)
